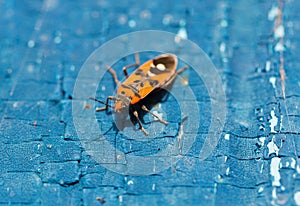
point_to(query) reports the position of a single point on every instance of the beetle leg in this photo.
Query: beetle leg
(175, 74)
(113, 73)
(135, 113)
(137, 63)
(159, 119)
(182, 70)
(106, 104)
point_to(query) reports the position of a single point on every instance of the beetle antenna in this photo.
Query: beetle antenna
(97, 100)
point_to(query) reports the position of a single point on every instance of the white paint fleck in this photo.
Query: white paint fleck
(293, 163)
(57, 40)
(272, 147)
(280, 125)
(31, 43)
(261, 168)
(298, 169)
(272, 80)
(273, 13)
(222, 47)
(274, 195)
(279, 47)
(145, 14)
(72, 68)
(227, 136)
(160, 115)
(268, 66)
(260, 189)
(274, 171)
(130, 182)
(227, 171)
(279, 31)
(15, 104)
(224, 23)
(153, 187)
(182, 33)
(215, 188)
(262, 141)
(122, 19)
(120, 198)
(30, 68)
(273, 121)
(167, 19)
(132, 23)
(225, 159)
(297, 197)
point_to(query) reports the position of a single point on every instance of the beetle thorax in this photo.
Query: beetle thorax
(122, 102)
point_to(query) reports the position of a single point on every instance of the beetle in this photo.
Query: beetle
(156, 73)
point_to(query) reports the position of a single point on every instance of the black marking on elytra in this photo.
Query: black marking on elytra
(167, 61)
(135, 91)
(156, 71)
(153, 83)
(139, 72)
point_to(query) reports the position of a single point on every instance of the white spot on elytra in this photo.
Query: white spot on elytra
(274, 171)
(161, 67)
(227, 136)
(260, 189)
(272, 80)
(273, 121)
(150, 74)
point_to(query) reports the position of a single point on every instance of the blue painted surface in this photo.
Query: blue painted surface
(42, 161)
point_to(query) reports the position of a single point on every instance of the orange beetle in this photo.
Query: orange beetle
(154, 74)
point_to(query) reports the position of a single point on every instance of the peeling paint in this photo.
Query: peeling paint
(274, 171)
(297, 197)
(272, 80)
(273, 148)
(273, 121)
(279, 31)
(273, 13)
(268, 66)
(227, 136)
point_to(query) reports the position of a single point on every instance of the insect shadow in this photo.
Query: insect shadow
(157, 96)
